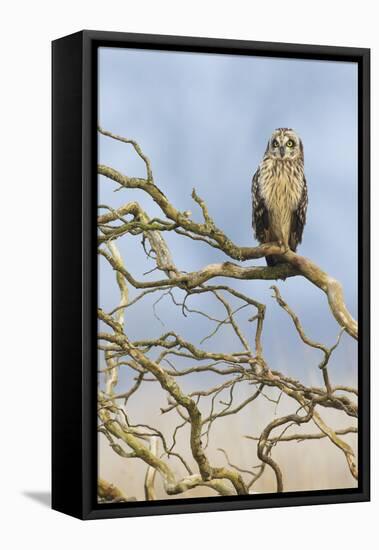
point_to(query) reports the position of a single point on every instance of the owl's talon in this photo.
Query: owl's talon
(283, 247)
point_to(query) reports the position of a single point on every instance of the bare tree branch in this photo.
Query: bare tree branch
(241, 376)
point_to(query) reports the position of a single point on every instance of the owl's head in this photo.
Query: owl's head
(285, 144)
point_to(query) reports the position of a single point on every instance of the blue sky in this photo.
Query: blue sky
(204, 121)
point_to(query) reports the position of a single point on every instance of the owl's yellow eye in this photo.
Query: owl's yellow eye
(290, 143)
(275, 143)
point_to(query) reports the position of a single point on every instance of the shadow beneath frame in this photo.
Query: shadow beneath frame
(42, 497)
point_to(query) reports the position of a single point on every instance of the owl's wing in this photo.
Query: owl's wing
(299, 219)
(260, 213)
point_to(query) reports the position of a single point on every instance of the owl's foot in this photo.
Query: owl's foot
(284, 246)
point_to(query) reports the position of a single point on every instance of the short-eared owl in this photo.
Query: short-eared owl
(279, 192)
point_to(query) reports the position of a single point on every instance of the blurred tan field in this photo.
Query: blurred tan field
(306, 466)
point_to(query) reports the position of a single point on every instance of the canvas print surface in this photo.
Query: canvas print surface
(227, 275)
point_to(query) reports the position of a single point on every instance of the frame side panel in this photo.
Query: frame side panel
(67, 275)
(364, 281)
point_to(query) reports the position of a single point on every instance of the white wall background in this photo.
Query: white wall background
(27, 29)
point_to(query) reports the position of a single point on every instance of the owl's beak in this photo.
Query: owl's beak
(281, 149)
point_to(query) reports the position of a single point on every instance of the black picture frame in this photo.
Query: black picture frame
(74, 272)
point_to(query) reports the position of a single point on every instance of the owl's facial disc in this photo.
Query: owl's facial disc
(284, 144)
